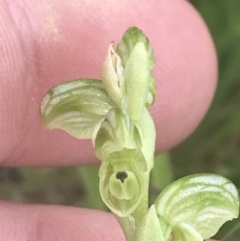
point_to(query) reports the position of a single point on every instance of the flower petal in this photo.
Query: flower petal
(76, 107)
(204, 201)
(112, 75)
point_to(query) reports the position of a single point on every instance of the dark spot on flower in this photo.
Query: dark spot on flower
(122, 176)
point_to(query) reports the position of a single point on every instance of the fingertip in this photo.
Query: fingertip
(186, 74)
(65, 43)
(37, 222)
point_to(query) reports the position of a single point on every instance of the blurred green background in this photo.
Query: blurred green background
(213, 147)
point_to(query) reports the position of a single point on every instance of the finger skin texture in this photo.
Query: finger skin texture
(43, 43)
(20, 222)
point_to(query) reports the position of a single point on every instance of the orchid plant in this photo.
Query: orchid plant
(114, 114)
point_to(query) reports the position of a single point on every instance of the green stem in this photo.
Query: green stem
(128, 226)
(142, 208)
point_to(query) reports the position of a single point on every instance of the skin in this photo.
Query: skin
(43, 43)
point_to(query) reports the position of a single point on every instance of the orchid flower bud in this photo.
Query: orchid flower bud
(113, 75)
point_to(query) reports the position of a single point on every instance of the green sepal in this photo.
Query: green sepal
(76, 107)
(151, 95)
(137, 78)
(113, 75)
(130, 38)
(147, 131)
(116, 132)
(203, 201)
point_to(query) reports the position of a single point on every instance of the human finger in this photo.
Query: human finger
(45, 43)
(41, 222)
(38, 222)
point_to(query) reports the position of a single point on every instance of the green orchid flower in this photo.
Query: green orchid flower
(114, 113)
(124, 168)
